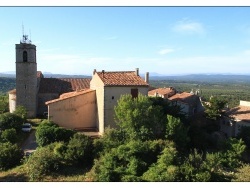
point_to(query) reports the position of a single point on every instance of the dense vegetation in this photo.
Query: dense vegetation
(151, 143)
(7, 84)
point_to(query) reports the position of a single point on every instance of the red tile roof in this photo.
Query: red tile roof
(127, 78)
(70, 95)
(170, 91)
(12, 91)
(63, 85)
(240, 113)
(181, 96)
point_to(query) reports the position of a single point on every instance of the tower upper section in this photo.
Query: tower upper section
(25, 51)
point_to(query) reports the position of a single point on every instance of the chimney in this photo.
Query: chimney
(94, 72)
(137, 71)
(147, 77)
(103, 71)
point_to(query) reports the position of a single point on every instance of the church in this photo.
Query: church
(74, 103)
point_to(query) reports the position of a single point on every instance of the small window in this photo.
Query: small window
(134, 93)
(25, 56)
(113, 97)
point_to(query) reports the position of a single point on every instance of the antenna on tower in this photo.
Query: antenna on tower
(30, 37)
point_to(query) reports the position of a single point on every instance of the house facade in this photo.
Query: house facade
(97, 103)
(235, 118)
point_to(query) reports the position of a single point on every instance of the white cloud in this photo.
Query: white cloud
(186, 26)
(166, 51)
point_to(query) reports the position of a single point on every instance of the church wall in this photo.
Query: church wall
(42, 98)
(78, 112)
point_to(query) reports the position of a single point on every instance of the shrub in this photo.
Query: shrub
(9, 135)
(9, 120)
(48, 132)
(79, 150)
(42, 162)
(10, 155)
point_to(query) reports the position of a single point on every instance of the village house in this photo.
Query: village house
(235, 118)
(189, 103)
(93, 108)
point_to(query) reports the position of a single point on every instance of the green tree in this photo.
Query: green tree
(79, 150)
(10, 155)
(43, 162)
(9, 135)
(214, 108)
(4, 104)
(47, 133)
(165, 169)
(21, 111)
(9, 120)
(176, 131)
(139, 118)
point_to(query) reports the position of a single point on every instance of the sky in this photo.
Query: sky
(167, 40)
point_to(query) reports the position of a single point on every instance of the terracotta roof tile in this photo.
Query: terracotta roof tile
(125, 78)
(12, 91)
(181, 96)
(240, 113)
(69, 95)
(163, 91)
(63, 85)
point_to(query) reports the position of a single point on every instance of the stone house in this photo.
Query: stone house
(235, 118)
(94, 108)
(190, 103)
(164, 93)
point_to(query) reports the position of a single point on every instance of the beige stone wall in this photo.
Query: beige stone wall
(111, 96)
(12, 102)
(78, 112)
(97, 85)
(244, 103)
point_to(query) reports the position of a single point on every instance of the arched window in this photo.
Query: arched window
(25, 56)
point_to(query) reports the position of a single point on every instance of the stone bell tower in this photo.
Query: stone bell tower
(26, 76)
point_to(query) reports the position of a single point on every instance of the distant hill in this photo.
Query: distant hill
(7, 84)
(206, 78)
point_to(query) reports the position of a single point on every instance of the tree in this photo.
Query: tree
(9, 120)
(244, 134)
(79, 150)
(21, 111)
(10, 155)
(4, 104)
(138, 117)
(214, 108)
(176, 131)
(9, 135)
(48, 132)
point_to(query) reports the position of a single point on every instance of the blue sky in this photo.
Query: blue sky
(163, 40)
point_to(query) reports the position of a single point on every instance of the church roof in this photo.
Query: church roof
(69, 95)
(63, 85)
(163, 91)
(124, 78)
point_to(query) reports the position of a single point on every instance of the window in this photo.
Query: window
(113, 97)
(134, 93)
(25, 56)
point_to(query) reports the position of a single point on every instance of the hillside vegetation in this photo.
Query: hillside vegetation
(7, 84)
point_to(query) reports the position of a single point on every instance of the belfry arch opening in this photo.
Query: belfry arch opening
(25, 56)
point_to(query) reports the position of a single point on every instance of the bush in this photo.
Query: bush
(9, 135)
(48, 132)
(9, 120)
(80, 150)
(10, 155)
(42, 162)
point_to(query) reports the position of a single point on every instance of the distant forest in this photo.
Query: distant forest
(7, 84)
